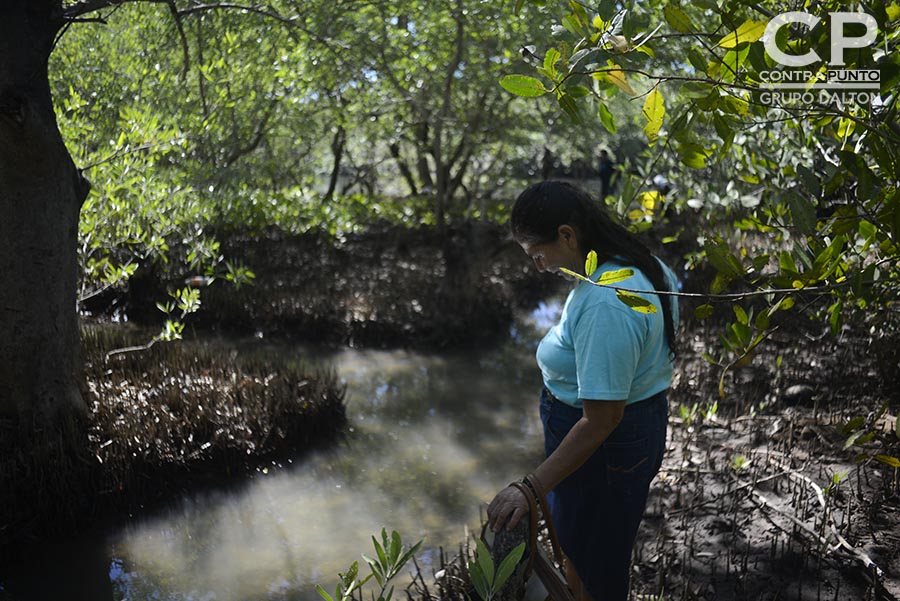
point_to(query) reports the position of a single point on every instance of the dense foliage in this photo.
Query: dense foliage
(189, 122)
(804, 179)
(193, 118)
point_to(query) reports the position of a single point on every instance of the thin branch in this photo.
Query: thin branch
(101, 20)
(762, 10)
(232, 6)
(294, 21)
(184, 42)
(724, 297)
(131, 349)
(72, 12)
(257, 139)
(121, 153)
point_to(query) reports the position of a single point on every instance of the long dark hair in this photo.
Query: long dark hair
(542, 207)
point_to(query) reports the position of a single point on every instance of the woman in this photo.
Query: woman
(606, 369)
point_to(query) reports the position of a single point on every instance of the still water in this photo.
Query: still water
(433, 437)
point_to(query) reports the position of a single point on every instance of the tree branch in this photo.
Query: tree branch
(184, 42)
(257, 137)
(72, 12)
(394, 149)
(232, 6)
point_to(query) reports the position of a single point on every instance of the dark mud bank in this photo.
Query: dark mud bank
(161, 421)
(385, 287)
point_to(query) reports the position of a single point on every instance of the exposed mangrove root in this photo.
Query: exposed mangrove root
(176, 415)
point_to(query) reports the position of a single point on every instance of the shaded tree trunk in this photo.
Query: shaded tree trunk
(441, 168)
(41, 193)
(337, 151)
(404, 169)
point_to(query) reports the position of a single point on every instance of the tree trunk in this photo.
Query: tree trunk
(441, 168)
(337, 151)
(41, 193)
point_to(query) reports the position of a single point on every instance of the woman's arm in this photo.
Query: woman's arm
(599, 419)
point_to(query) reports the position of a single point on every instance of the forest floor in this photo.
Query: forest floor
(760, 496)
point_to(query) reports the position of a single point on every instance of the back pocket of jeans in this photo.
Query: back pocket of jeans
(628, 460)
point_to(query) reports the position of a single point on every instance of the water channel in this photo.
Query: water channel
(432, 437)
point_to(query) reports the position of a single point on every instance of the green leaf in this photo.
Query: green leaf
(740, 314)
(853, 424)
(323, 594)
(508, 566)
(485, 562)
(408, 555)
(590, 263)
(518, 7)
(893, 11)
(353, 572)
(888, 460)
(478, 580)
(382, 558)
(613, 277)
(692, 155)
(787, 265)
(697, 60)
(396, 547)
(523, 85)
(851, 440)
(578, 91)
(721, 258)
(606, 118)
(568, 105)
(370, 560)
(571, 273)
(697, 89)
(803, 213)
(654, 110)
(678, 19)
(703, 311)
(579, 12)
(614, 74)
(635, 302)
(376, 569)
(750, 31)
(809, 180)
(734, 105)
(742, 334)
(572, 25)
(834, 317)
(550, 59)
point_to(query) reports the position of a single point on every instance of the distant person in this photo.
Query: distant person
(661, 184)
(606, 370)
(606, 169)
(548, 163)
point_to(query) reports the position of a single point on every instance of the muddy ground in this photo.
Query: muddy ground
(760, 496)
(763, 498)
(385, 287)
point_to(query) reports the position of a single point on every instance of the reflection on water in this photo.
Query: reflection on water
(432, 438)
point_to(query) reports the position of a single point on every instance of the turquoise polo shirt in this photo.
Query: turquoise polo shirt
(603, 350)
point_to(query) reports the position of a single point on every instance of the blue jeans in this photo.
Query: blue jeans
(598, 508)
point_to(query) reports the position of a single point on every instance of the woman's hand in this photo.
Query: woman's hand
(508, 507)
